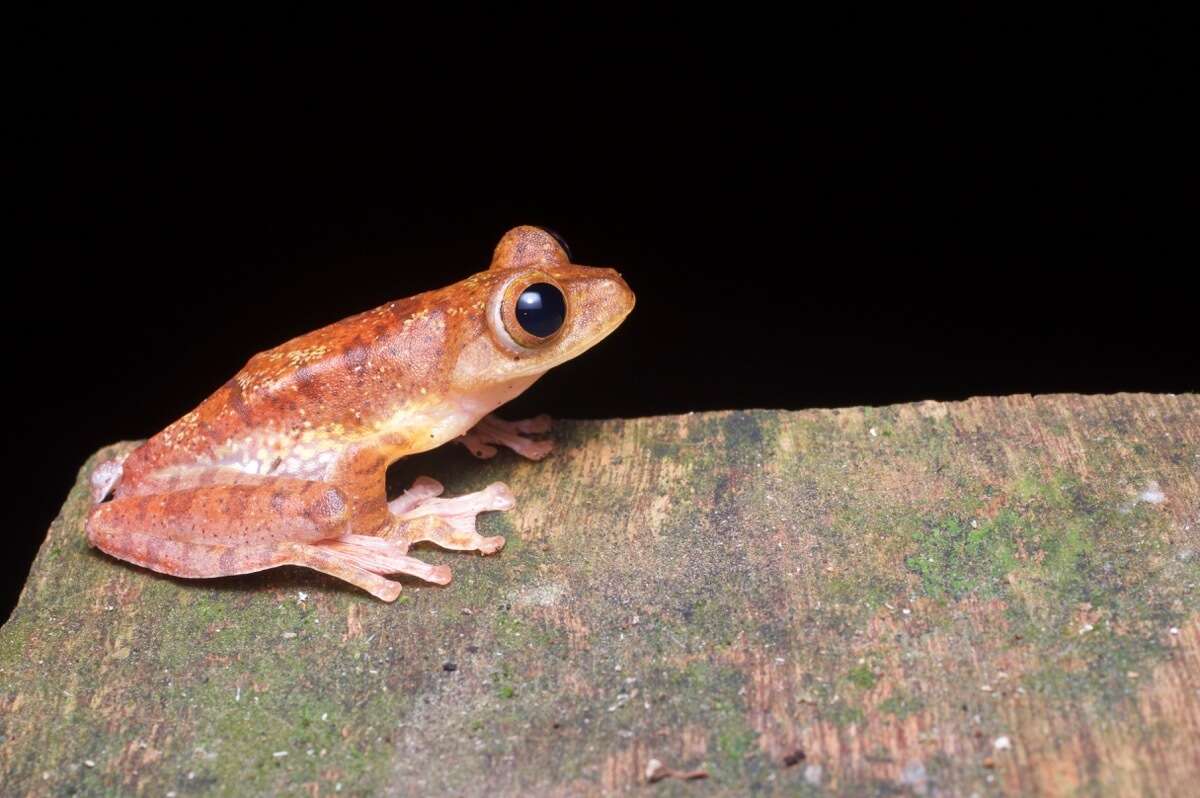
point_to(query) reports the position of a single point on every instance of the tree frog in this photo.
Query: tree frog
(285, 463)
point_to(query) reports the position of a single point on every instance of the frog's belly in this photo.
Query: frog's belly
(313, 461)
(322, 455)
(321, 452)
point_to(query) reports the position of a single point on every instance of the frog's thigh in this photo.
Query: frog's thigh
(233, 529)
(200, 560)
(275, 511)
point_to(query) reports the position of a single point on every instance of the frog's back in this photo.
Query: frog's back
(338, 376)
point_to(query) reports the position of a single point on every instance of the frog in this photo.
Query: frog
(285, 463)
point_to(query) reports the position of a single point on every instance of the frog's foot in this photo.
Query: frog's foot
(450, 523)
(481, 441)
(380, 556)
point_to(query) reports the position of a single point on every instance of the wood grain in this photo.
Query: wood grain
(996, 597)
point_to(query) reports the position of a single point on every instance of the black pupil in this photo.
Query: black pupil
(541, 309)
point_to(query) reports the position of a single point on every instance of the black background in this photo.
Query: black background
(811, 212)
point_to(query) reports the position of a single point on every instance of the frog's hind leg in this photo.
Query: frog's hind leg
(223, 530)
(418, 516)
(205, 560)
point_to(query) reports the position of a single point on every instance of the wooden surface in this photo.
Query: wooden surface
(994, 597)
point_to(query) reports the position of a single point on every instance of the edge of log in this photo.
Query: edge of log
(996, 595)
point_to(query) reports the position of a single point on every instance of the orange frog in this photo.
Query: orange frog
(285, 463)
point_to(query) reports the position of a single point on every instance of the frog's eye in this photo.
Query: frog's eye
(541, 309)
(533, 310)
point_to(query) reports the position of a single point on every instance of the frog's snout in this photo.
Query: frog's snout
(622, 296)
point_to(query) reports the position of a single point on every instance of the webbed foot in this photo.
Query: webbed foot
(494, 431)
(450, 523)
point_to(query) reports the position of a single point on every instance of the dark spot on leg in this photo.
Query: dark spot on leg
(328, 509)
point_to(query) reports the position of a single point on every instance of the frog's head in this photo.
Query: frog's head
(538, 310)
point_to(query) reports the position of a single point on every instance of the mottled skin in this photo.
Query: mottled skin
(285, 463)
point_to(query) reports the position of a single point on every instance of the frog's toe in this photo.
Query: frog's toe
(484, 451)
(491, 545)
(389, 591)
(534, 450)
(450, 523)
(492, 432)
(534, 426)
(497, 496)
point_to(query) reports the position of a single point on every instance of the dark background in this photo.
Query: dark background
(812, 214)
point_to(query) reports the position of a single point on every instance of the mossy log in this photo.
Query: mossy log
(996, 597)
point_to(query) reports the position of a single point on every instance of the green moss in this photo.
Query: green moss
(842, 713)
(502, 681)
(1052, 525)
(734, 741)
(789, 552)
(664, 449)
(1054, 548)
(862, 676)
(714, 619)
(901, 705)
(954, 558)
(711, 694)
(1057, 492)
(14, 641)
(749, 436)
(863, 543)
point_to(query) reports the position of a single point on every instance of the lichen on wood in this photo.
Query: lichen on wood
(993, 596)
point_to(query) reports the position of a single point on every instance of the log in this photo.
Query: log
(992, 596)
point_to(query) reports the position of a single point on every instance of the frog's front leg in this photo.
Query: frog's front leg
(223, 530)
(418, 515)
(492, 430)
